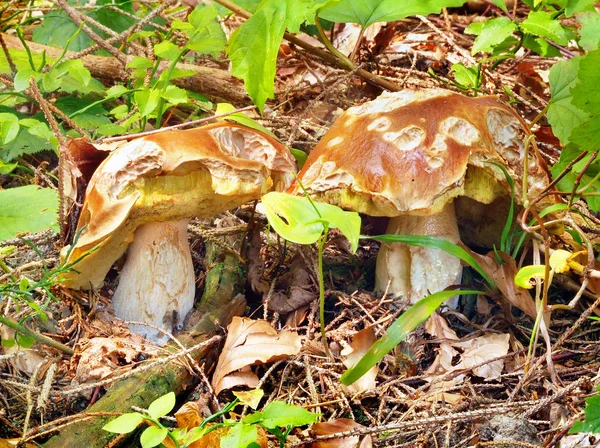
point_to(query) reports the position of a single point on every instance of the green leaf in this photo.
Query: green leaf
(280, 414)
(575, 6)
(7, 168)
(437, 243)
(493, 33)
(591, 423)
(24, 340)
(540, 46)
(141, 35)
(590, 31)
(162, 406)
(110, 129)
(167, 50)
(253, 47)
(586, 96)
(563, 115)
(39, 129)
(466, 76)
(57, 28)
(153, 436)
(50, 82)
(300, 157)
(8, 343)
(241, 118)
(543, 24)
(124, 424)
(407, 322)
(9, 127)
(85, 112)
(500, 4)
(27, 209)
(76, 70)
(524, 276)
(175, 95)
(208, 36)
(144, 63)
(22, 79)
(240, 436)
(367, 12)
(147, 100)
(305, 220)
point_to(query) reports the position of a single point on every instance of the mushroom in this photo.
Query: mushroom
(142, 196)
(407, 155)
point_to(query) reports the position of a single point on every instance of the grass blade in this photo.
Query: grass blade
(407, 322)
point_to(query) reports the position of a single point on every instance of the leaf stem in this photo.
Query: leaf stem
(321, 244)
(35, 335)
(342, 57)
(328, 57)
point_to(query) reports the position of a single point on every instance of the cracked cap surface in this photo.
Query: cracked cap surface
(416, 150)
(170, 176)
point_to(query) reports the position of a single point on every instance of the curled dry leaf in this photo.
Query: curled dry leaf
(361, 343)
(504, 276)
(471, 353)
(11, 443)
(189, 415)
(251, 342)
(295, 289)
(482, 349)
(100, 357)
(337, 426)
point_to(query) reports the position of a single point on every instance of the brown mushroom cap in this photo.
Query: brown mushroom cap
(416, 150)
(170, 176)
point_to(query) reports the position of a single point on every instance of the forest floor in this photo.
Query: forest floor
(462, 379)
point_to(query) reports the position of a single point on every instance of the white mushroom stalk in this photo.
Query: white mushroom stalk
(140, 199)
(412, 272)
(156, 285)
(408, 155)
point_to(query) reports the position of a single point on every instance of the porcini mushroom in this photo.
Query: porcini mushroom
(142, 196)
(407, 155)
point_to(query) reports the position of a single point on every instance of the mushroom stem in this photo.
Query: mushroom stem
(156, 285)
(414, 272)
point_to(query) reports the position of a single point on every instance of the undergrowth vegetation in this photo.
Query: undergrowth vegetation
(50, 93)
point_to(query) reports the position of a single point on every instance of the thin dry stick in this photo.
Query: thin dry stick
(458, 417)
(11, 64)
(175, 126)
(143, 367)
(80, 20)
(553, 398)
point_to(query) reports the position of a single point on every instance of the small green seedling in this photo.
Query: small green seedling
(277, 417)
(591, 422)
(303, 221)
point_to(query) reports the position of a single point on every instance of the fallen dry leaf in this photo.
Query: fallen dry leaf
(470, 353)
(337, 426)
(251, 342)
(97, 358)
(504, 276)
(482, 349)
(11, 443)
(189, 415)
(213, 438)
(361, 343)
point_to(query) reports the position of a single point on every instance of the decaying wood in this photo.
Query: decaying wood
(220, 302)
(217, 85)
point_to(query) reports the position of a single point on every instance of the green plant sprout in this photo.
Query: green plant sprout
(277, 417)
(24, 291)
(304, 221)
(591, 422)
